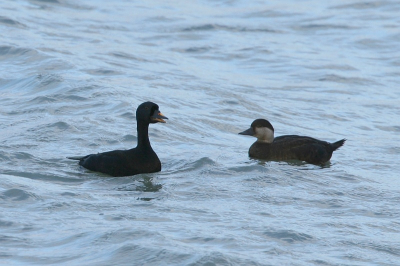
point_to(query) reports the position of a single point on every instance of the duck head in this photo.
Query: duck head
(149, 112)
(262, 130)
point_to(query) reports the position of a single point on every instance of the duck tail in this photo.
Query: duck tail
(78, 158)
(336, 145)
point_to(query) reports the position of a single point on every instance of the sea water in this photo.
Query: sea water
(72, 74)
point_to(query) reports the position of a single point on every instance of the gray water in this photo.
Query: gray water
(73, 72)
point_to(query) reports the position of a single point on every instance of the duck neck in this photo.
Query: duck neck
(264, 135)
(265, 141)
(143, 134)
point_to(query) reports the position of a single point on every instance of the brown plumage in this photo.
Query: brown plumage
(288, 147)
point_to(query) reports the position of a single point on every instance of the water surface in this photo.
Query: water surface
(73, 72)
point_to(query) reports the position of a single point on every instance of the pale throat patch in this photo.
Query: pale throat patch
(264, 134)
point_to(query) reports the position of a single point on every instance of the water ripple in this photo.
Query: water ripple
(18, 195)
(10, 22)
(288, 236)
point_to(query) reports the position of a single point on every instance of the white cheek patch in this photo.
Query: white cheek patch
(264, 134)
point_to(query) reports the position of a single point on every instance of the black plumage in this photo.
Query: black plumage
(141, 159)
(288, 147)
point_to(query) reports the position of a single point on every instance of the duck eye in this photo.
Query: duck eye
(147, 108)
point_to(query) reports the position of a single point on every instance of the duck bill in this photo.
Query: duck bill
(249, 132)
(158, 117)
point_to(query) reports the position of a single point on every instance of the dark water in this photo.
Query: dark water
(73, 72)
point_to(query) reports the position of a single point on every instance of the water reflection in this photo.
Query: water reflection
(303, 164)
(148, 185)
(142, 184)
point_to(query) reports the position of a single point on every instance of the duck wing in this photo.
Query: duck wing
(305, 148)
